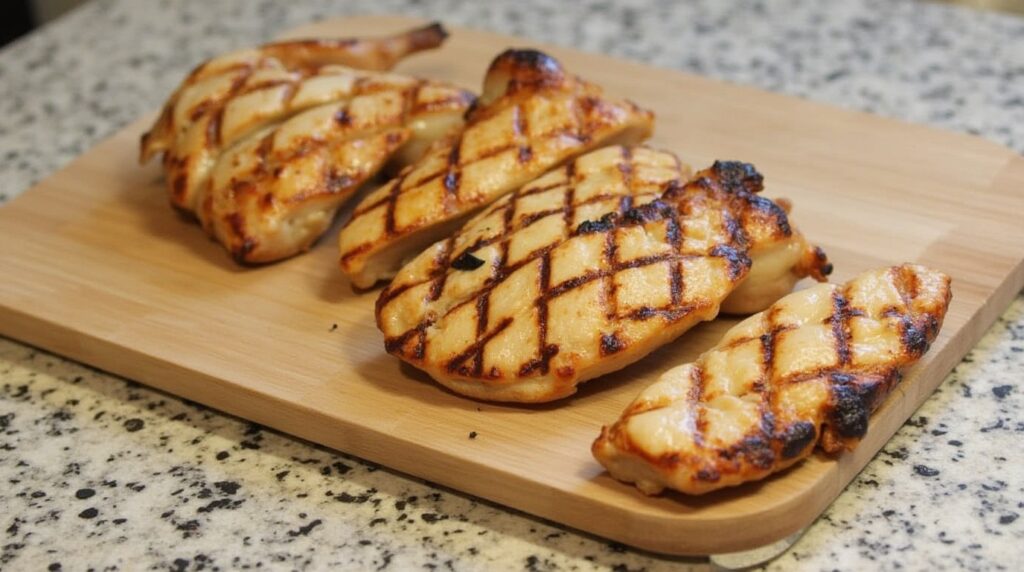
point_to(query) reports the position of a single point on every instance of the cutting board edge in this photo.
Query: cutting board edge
(106, 356)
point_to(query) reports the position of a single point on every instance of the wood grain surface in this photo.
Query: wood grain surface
(97, 267)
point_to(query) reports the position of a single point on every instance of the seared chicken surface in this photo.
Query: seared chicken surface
(531, 116)
(577, 274)
(808, 370)
(779, 253)
(264, 145)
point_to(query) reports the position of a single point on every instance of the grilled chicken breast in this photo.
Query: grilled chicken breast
(264, 145)
(223, 77)
(808, 370)
(531, 116)
(577, 274)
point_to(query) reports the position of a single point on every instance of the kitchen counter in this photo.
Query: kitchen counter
(101, 473)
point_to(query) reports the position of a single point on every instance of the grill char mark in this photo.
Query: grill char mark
(604, 224)
(569, 207)
(796, 438)
(766, 456)
(840, 321)
(482, 309)
(913, 337)
(457, 363)
(737, 260)
(851, 404)
(707, 473)
(610, 344)
(391, 202)
(521, 128)
(542, 315)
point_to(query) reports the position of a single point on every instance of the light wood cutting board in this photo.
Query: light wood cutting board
(95, 266)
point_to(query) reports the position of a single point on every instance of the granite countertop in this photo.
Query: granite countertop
(101, 473)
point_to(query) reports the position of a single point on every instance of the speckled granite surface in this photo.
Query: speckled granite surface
(101, 473)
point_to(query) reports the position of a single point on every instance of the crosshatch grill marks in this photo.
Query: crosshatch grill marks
(827, 402)
(648, 241)
(533, 116)
(508, 206)
(547, 293)
(450, 175)
(263, 186)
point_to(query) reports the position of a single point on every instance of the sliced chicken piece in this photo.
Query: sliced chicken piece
(266, 149)
(779, 253)
(578, 274)
(531, 117)
(279, 63)
(810, 369)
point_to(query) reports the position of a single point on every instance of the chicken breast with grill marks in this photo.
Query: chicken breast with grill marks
(263, 146)
(531, 117)
(808, 370)
(278, 64)
(580, 273)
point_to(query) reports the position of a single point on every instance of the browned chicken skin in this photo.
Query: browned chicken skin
(577, 274)
(531, 117)
(808, 370)
(264, 145)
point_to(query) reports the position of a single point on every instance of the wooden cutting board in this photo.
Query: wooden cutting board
(95, 266)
